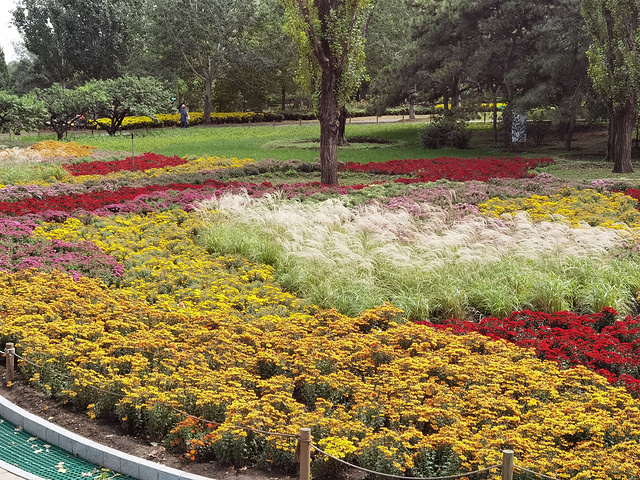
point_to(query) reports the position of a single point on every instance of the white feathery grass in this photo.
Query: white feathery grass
(21, 156)
(428, 265)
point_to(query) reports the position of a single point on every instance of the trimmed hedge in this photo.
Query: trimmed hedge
(218, 118)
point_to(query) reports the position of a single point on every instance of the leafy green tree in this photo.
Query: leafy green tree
(63, 105)
(4, 72)
(388, 35)
(614, 67)
(204, 37)
(77, 39)
(562, 83)
(20, 113)
(261, 72)
(26, 74)
(114, 99)
(328, 34)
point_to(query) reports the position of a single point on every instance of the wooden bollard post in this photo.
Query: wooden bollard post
(10, 351)
(305, 454)
(507, 465)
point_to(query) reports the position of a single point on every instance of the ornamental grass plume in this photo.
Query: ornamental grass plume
(373, 253)
(21, 156)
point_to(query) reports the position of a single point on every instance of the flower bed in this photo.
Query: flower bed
(437, 403)
(19, 250)
(598, 341)
(190, 329)
(430, 170)
(615, 210)
(139, 163)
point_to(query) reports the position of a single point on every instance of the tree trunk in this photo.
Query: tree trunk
(207, 101)
(283, 100)
(623, 120)
(455, 93)
(494, 109)
(569, 132)
(328, 116)
(113, 128)
(562, 131)
(412, 109)
(342, 126)
(609, 155)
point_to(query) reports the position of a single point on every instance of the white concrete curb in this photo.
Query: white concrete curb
(88, 450)
(20, 473)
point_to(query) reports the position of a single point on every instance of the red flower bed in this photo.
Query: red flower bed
(597, 341)
(451, 168)
(93, 200)
(633, 193)
(140, 163)
(59, 207)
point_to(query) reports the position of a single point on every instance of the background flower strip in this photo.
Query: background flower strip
(613, 210)
(462, 169)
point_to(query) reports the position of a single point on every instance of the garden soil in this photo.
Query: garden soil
(112, 435)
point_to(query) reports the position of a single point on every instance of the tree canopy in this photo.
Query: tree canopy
(64, 105)
(76, 39)
(114, 99)
(614, 67)
(204, 37)
(20, 113)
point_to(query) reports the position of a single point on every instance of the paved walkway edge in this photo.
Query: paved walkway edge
(89, 450)
(16, 471)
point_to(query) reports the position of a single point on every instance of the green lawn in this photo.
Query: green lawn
(265, 141)
(285, 142)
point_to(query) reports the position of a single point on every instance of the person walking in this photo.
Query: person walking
(184, 116)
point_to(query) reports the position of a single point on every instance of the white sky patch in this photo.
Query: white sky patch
(8, 33)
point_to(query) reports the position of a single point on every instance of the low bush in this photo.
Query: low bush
(445, 131)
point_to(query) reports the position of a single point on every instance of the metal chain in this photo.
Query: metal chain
(450, 477)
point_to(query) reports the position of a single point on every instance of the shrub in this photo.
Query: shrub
(445, 131)
(458, 138)
(432, 136)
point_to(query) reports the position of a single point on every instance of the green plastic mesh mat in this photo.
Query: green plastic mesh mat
(35, 456)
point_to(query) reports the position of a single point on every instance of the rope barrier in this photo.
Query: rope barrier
(535, 473)
(450, 477)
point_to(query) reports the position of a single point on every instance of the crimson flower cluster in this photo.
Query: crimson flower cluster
(151, 198)
(633, 192)
(598, 341)
(460, 169)
(142, 162)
